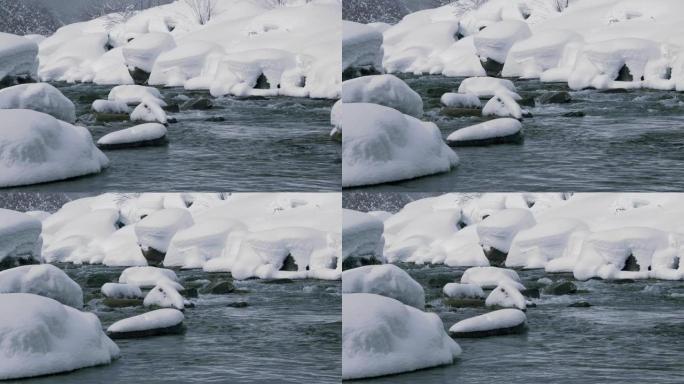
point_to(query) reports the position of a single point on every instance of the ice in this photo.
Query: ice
(41, 97)
(44, 280)
(156, 230)
(496, 40)
(139, 135)
(502, 105)
(148, 277)
(387, 90)
(158, 319)
(164, 295)
(498, 230)
(381, 144)
(382, 336)
(361, 236)
(40, 336)
(194, 246)
(110, 106)
(143, 51)
(149, 110)
(361, 46)
(487, 87)
(490, 132)
(506, 295)
(121, 291)
(463, 291)
(37, 148)
(135, 94)
(460, 100)
(546, 241)
(489, 323)
(20, 240)
(491, 277)
(18, 56)
(386, 280)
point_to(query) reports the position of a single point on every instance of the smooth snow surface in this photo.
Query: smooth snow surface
(121, 291)
(502, 105)
(138, 133)
(161, 318)
(40, 336)
(18, 56)
(506, 295)
(19, 236)
(387, 90)
(156, 230)
(381, 144)
(386, 280)
(149, 110)
(498, 230)
(147, 277)
(487, 87)
(361, 46)
(361, 235)
(37, 148)
(382, 336)
(463, 291)
(461, 100)
(111, 106)
(41, 97)
(491, 277)
(496, 128)
(164, 295)
(503, 318)
(44, 280)
(135, 94)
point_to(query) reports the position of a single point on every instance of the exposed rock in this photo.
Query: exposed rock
(561, 97)
(355, 262)
(574, 114)
(580, 304)
(139, 76)
(561, 288)
(201, 104)
(496, 258)
(492, 67)
(97, 280)
(109, 117)
(238, 304)
(631, 264)
(625, 74)
(289, 264)
(463, 302)
(216, 119)
(153, 256)
(460, 112)
(221, 288)
(122, 303)
(278, 281)
(137, 144)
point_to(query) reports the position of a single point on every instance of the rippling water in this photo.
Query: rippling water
(627, 141)
(271, 144)
(289, 333)
(633, 333)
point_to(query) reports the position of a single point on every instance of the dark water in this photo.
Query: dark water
(632, 333)
(289, 333)
(630, 141)
(272, 144)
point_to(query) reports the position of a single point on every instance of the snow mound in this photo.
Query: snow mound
(156, 230)
(176, 66)
(490, 132)
(387, 90)
(498, 230)
(164, 295)
(150, 111)
(20, 240)
(361, 236)
(141, 325)
(506, 295)
(194, 246)
(381, 144)
(531, 57)
(463, 291)
(386, 280)
(110, 106)
(135, 94)
(37, 148)
(44, 280)
(18, 56)
(41, 336)
(487, 87)
(39, 97)
(143, 51)
(139, 135)
(382, 336)
(361, 46)
(121, 249)
(460, 100)
(121, 291)
(546, 241)
(502, 105)
(496, 40)
(148, 277)
(491, 277)
(497, 322)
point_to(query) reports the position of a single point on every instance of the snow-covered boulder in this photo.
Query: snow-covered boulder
(164, 295)
(17, 56)
(502, 322)
(135, 94)
(148, 277)
(502, 105)
(194, 246)
(387, 90)
(496, 40)
(386, 280)
(361, 47)
(143, 51)
(37, 148)
(150, 111)
(20, 240)
(533, 56)
(165, 321)
(487, 87)
(121, 249)
(497, 131)
(362, 240)
(382, 336)
(506, 295)
(40, 336)
(381, 144)
(498, 230)
(546, 241)
(253, 73)
(156, 230)
(176, 66)
(44, 280)
(460, 100)
(463, 291)
(491, 277)
(143, 135)
(41, 97)
(112, 107)
(121, 291)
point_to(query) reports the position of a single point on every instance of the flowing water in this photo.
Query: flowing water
(264, 144)
(627, 141)
(290, 332)
(632, 333)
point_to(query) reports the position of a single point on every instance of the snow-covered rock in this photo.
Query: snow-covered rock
(40, 336)
(121, 291)
(502, 105)
(135, 94)
(463, 291)
(164, 295)
(20, 240)
(361, 46)
(148, 277)
(497, 131)
(194, 246)
(506, 295)
(496, 40)
(41, 97)
(487, 87)
(546, 241)
(362, 239)
(460, 100)
(156, 230)
(176, 66)
(498, 230)
(501, 322)
(150, 134)
(386, 280)
(160, 322)
(143, 51)
(381, 144)
(121, 249)
(531, 57)
(44, 280)
(491, 277)
(18, 56)
(37, 148)
(150, 111)
(387, 90)
(382, 336)
(111, 107)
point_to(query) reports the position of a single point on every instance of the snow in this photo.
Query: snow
(39, 97)
(156, 230)
(44, 280)
(536, 246)
(194, 246)
(160, 318)
(37, 148)
(498, 230)
(381, 144)
(42, 336)
(460, 100)
(164, 295)
(463, 291)
(496, 40)
(143, 51)
(19, 237)
(149, 110)
(506, 295)
(500, 319)
(121, 249)
(361, 236)
(382, 336)
(135, 94)
(487, 87)
(387, 90)
(110, 106)
(386, 280)
(502, 105)
(531, 57)
(147, 277)
(121, 291)
(18, 56)
(491, 277)
(497, 128)
(176, 66)
(361, 46)
(136, 134)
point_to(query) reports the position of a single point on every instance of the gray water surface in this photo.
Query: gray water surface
(632, 141)
(288, 333)
(264, 144)
(632, 333)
